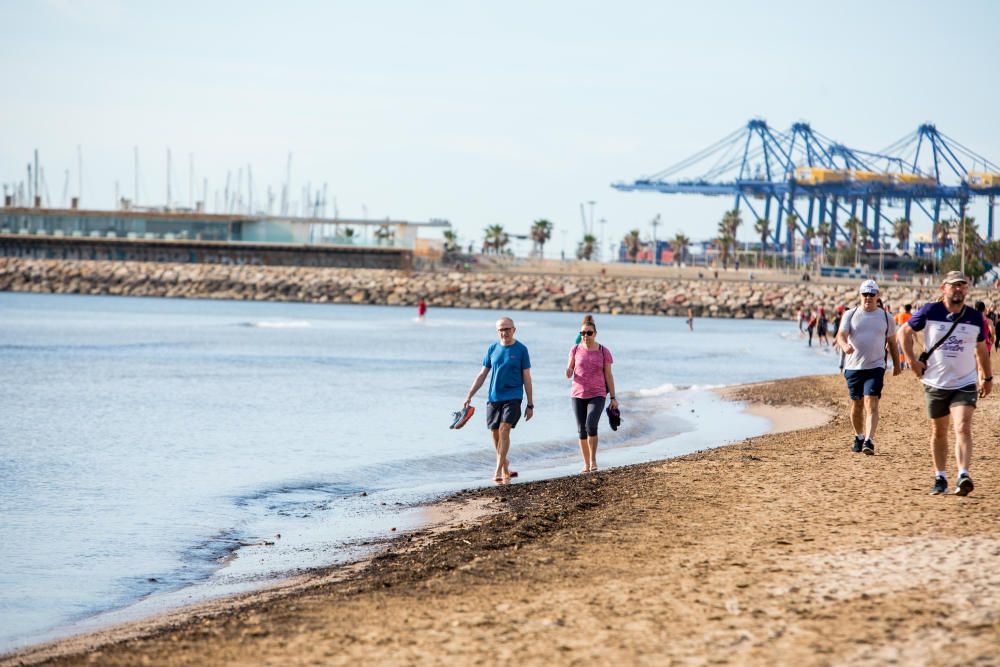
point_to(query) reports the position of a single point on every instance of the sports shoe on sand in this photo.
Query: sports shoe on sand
(964, 486)
(940, 486)
(859, 442)
(868, 448)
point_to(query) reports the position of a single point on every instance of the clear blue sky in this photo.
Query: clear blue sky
(478, 113)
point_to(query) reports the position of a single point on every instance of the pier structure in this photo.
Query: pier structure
(211, 238)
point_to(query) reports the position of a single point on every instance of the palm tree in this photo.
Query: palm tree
(541, 231)
(792, 225)
(901, 230)
(495, 238)
(725, 241)
(632, 245)
(384, 234)
(450, 240)
(853, 229)
(942, 232)
(349, 234)
(809, 235)
(586, 248)
(763, 229)
(679, 243)
(823, 231)
(970, 245)
(728, 228)
(727, 233)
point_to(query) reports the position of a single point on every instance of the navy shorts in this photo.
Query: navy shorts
(865, 382)
(508, 412)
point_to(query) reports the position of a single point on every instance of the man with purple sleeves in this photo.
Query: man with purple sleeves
(954, 340)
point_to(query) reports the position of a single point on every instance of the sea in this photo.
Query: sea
(159, 452)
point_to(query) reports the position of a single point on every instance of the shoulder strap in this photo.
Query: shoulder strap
(945, 337)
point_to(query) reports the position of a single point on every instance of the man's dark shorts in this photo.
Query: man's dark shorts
(939, 401)
(508, 412)
(865, 382)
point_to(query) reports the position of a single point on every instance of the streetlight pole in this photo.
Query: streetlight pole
(655, 223)
(962, 232)
(603, 222)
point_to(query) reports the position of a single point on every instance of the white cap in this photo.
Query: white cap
(868, 287)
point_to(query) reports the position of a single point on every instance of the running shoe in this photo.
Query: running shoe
(964, 486)
(869, 448)
(940, 486)
(859, 442)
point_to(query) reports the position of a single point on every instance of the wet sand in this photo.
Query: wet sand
(787, 548)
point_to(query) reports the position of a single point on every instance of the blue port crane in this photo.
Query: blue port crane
(800, 176)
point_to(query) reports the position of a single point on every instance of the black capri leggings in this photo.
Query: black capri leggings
(588, 415)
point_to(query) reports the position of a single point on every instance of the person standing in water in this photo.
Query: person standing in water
(690, 319)
(421, 309)
(590, 369)
(510, 380)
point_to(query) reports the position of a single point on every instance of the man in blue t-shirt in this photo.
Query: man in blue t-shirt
(949, 374)
(510, 379)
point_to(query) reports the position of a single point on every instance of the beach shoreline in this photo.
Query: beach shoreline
(779, 548)
(438, 518)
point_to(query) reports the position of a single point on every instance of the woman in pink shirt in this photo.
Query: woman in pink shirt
(590, 368)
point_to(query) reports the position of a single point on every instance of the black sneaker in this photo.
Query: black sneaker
(940, 486)
(964, 486)
(868, 448)
(859, 442)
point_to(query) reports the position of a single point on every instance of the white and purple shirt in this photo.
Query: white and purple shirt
(953, 363)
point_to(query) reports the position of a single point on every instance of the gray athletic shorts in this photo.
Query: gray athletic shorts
(939, 401)
(508, 412)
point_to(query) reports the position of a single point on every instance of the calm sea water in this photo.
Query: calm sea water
(151, 450)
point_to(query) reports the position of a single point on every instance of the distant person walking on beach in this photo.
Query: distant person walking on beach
(991, 331)
(954, 341)
(421, 309)
(690, 319)
(811, 326)
(510, 380)
(902, 317)
(590, 369)
(822, 326)
(865, 333)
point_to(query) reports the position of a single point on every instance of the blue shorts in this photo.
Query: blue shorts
(865, 382)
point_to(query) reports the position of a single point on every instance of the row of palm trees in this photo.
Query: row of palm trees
(496, 239)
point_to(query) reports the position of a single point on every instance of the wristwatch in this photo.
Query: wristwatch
(989, 379)
(531, 406)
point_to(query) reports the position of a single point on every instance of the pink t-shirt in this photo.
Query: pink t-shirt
(588, 371)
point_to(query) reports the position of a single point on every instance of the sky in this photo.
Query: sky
(477, 113)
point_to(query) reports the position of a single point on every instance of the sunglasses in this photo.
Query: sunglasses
(505, 329)
(587, 333)
(869, 296)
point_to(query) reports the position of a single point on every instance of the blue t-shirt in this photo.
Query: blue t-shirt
(507, 365)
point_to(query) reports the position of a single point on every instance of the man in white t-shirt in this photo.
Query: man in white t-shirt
(867, 338)
(949, 374)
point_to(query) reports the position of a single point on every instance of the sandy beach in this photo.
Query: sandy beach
(781, 549)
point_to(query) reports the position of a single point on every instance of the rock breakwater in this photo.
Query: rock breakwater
(594, 294)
